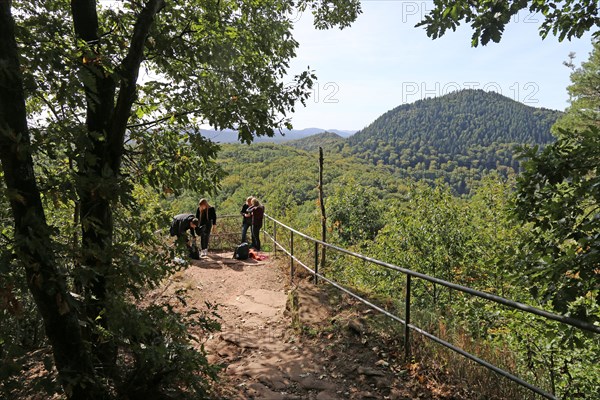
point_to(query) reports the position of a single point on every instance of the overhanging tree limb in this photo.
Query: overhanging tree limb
(129, 73)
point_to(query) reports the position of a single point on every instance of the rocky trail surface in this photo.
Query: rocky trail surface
(292, 342)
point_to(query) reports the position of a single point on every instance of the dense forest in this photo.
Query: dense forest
(96, 161)
(455, 137)
(500, 238)
(284, 177)
(472, 240)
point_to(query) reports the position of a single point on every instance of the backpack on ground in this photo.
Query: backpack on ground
(242, 251)
(194, 251)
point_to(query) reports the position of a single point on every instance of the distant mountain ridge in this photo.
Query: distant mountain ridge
(325, 140)
(231, 136)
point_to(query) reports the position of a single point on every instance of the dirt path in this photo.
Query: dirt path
(279, 342)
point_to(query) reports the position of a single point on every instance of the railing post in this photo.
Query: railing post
(274, 237)
(407, 320)
(316, 262)
(291, 256)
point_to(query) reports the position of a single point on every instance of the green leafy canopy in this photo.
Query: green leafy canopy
(101, 103)
(488, 18)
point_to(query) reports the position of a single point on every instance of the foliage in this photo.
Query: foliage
(473, 242)
(466, 241)
(559, 196)
(557, 193)
(160, 352)
(583, 94)
(286, 178)
(561, 358)
(458, 137)
(89, 148)
(488, 18)
(354, 214)
(332, 12)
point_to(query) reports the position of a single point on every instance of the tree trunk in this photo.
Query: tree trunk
(99, 169)
(97, 181)
(32, 234)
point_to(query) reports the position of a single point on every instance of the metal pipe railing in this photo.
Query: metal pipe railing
(488, 296)
(407, 324)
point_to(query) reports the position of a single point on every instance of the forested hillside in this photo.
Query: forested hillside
(459, 138)
(532, 238)
(286, 178)
(456, 137)
(326, 140)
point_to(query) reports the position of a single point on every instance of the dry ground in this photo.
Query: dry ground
(282, 341)
(285, 341)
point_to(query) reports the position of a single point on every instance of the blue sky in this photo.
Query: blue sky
(383, 61)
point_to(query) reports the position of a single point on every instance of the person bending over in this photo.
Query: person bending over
(179, 227)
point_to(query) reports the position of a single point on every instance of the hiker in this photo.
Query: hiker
(247, 219)
(179, 227)
(207, 217)
(257, 212)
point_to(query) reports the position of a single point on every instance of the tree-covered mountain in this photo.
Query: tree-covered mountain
(456, 137)
(312, 143)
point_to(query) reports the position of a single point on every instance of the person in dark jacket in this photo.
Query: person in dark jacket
(207, 217)
(257, 211)
(179, 227)
(247, 219)
(183, 222)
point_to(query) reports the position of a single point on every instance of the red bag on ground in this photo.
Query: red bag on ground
(256, 255)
